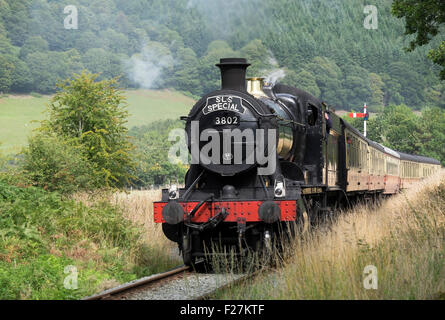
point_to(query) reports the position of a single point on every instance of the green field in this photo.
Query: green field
(17, 113)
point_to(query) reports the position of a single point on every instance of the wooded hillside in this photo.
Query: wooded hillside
(320, 46)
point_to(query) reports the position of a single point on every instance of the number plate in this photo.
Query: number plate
(226, 120)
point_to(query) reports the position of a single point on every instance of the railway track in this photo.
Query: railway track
(180, 283)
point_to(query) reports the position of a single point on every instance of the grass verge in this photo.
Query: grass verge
(42, 235)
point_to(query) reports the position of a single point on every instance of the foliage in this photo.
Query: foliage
(152, 164)
(6, 69)
(55, 164)
(41, 234)
(432, 124)
(91, 116)
(438, 56)
(424, 19)
(321, 46)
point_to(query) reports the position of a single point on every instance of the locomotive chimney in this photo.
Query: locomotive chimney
(233, 73)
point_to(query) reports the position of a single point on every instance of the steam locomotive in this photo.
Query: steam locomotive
(266, 157)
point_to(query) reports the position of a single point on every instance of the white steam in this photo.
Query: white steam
(274, 76)
(272, 61)
(146, 68)
(274, 73)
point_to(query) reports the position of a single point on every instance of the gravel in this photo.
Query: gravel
(188, 287)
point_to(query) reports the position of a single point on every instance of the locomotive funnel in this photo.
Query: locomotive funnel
(233, 73)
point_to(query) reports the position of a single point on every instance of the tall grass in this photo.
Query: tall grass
(138, 208)
(403, 238)
(153, 252)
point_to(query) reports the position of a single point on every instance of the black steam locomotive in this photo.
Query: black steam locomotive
(264, 156)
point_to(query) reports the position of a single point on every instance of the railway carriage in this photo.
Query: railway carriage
(428, 167)
(414, 168)
(392, 171)
(357, 154)
(376, 164)
(266, 157)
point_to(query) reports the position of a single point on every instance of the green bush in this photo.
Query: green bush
(57, 164)
(151, 154)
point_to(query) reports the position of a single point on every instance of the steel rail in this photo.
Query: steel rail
(137, 283)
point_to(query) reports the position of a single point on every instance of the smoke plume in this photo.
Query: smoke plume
(146, 68)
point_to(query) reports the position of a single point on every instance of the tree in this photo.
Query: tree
(438, 56)
(152, 165)
(432, 124)
(328, 77)
(185, 74)
(258, 56)
(98, 60)
(41, 71)
(92, 114)
(304, 80)
(423, 18)
(391, 91)
(47, 68)
(114, 41)
(6, 71)
(208, 73)
(357, 90)
(33, 44)
(412, 83)
(377, 86)
(399, 128)
(5, 46)
(87, 40)
(435, 95)
(285, 34)
(16, 20)
(21, 81)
